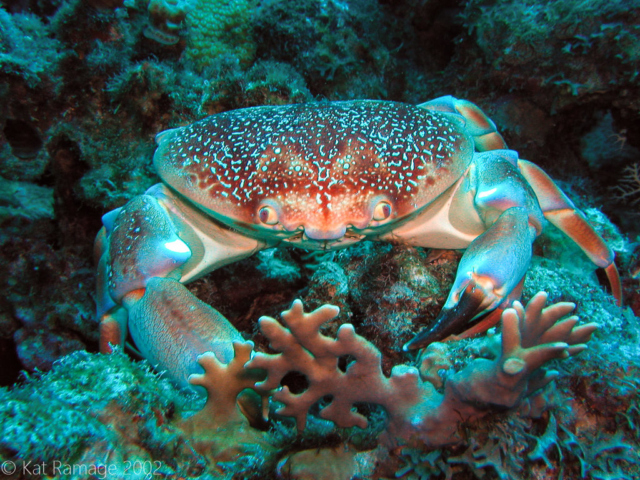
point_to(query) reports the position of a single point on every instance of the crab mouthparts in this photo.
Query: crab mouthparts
(321, 234)
(339, 239)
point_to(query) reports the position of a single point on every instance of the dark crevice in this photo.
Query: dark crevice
(10, 363)
(24, 140)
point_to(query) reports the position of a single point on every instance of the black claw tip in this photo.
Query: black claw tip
(450, 321)
(427, 337)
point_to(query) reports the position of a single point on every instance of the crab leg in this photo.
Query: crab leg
(555, 205)
(560, 211)
(495, 261)
(143, 260)
(142, 244)
(491, 267)
(492, 318)
(479, 126)
(512, 197)
(171, 327)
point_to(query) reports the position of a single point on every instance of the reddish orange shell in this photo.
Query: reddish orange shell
(325, 160)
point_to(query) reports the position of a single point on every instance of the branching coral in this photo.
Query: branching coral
(224, 382)
(306, 350)
(223, 432)
(531, 337)
(419, 415)
(628, 188)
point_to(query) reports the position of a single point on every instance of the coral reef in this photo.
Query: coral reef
(72, 413)
(86, 85)
(221, 433)
(547, 42)
(604, 146)
(220, 28)
(165, 20)
(417, 412)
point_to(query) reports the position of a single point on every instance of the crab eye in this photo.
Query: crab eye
(268, 215)
(382, 211)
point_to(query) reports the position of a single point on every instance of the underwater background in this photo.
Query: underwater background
(86, 85)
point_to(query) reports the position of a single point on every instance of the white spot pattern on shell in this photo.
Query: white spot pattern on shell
(326, 157)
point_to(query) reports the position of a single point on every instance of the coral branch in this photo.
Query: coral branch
(305, 350)
(531, 337)
(220, 430)
(224, 382)
(628, 188)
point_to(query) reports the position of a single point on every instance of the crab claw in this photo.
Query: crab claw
(490, 269)
(451, 320)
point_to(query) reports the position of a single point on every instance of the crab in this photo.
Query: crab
(324, 176)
